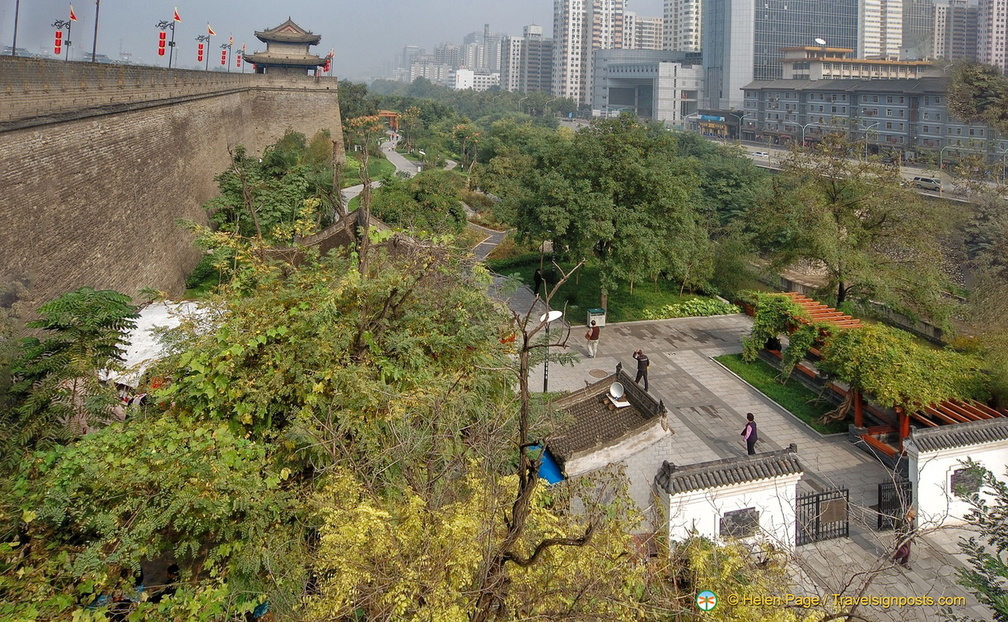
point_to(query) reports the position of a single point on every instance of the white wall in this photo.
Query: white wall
(702, 510)
(931, 476)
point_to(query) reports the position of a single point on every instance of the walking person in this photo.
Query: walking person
(642, 365)
(904, 536)
(593, 336)
(750, 435)
(538, 281)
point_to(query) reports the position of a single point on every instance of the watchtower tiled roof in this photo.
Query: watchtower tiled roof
(676, 479)
(594, 425)
(961, 434)
(288, 32)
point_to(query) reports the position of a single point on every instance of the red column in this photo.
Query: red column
(858, 409)
(904, 425)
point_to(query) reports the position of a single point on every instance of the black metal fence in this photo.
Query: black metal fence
(893, 500)
(822, 516)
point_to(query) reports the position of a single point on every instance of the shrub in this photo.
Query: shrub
(697, 307)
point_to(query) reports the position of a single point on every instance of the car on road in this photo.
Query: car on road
(760, 154)
(927, 183)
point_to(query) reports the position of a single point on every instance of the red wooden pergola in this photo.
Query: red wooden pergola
(946, 413)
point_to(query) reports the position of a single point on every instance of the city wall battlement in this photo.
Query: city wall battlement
(93, 184)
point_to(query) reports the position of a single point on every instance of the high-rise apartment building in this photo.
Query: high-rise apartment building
(579, 27)
(880, 29)
(955, 30)
(918, 29)
(992, 43)
(448, 54)
(641, 33)
(682, 25)
(527, 62)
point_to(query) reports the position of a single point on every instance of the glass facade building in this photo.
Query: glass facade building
(791, 23)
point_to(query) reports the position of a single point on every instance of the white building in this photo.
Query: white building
(682, 25)
(511, 63)
(880, 29)
(992, 42)
(476, 80)
(641, 33)
(939, 478)
(751, 498)
(579, 27)
(659, 85)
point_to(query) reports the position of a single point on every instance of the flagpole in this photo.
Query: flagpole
(66, 56)
(206, 67)
(94, 46)
(17, 9)
(171, 46)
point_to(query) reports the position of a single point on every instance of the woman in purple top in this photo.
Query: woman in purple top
(749, 434)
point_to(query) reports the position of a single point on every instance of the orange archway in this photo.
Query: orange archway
(391, 118)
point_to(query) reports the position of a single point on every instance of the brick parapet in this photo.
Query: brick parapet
(37, 91)
(95, 200)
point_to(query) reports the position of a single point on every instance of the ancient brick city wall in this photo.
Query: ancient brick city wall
(94, 200)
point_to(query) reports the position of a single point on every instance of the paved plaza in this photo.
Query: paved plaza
(707, 405)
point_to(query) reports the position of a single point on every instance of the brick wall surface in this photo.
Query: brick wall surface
(94, 201)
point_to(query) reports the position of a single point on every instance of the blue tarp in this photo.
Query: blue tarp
(549, 470)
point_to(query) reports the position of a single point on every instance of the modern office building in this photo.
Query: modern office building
(641, 33)
(992, 42)
(905, 118)
(918, 29)
(682, 25)
(425, 66)
(527, 62)
(481, 80)
(579, 27)
(728, 39)
(659, 85)
(956, 27)
(880, 29)
(408, 54)
(742, 39)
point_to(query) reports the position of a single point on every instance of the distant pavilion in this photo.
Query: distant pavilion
(287, 51)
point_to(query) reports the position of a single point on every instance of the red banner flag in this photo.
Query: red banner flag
(176, 17)
(210, 31)
(73, 16)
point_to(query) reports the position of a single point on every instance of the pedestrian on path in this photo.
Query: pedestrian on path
(904, 536)
(750, 435)
(642, 365)
(593, 336)
(538, 280)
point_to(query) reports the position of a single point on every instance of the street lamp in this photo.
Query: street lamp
(17, 9)
(548, 318)
(166, 24)
(60, 25)
(803, 131)
(520, 108)
(226, 49)
(741, 117)
(205, 39)
(873, 126)
(94, 46)
(546, 107)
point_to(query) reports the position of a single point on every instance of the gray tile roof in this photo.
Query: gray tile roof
(675, 479)
(899, 85)
(961, 434)
(592, 425)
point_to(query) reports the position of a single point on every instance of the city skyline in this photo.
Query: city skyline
(366, 37)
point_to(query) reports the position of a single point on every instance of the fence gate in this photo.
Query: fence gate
(822, 516)
(893, 500)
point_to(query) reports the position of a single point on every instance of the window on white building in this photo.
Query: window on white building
(740, 523)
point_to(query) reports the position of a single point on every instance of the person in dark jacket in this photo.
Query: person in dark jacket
(642, 366)
(538, 282)
(750, 435)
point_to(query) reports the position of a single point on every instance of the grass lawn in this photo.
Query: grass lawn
(794, 396)
(378, 167)
(582, 292)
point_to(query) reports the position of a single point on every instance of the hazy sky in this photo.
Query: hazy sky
(366, 34)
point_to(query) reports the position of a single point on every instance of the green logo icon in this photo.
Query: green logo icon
(706, 600)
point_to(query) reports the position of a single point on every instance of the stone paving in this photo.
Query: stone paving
(707, 405)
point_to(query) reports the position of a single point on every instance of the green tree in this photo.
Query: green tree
(979, 92)
(430, 202)
(57, 379)
(873, 239)
(987, 575)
